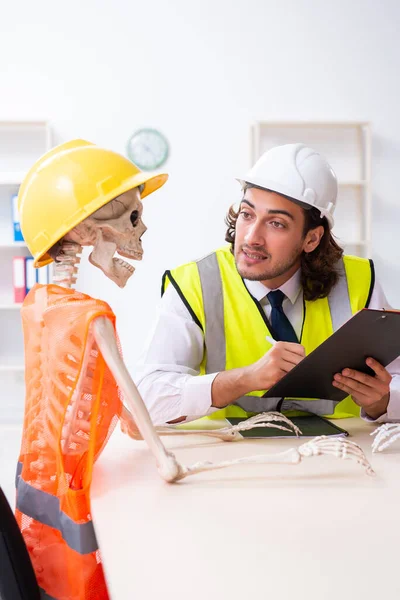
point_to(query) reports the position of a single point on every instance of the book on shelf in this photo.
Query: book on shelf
(25, 276)
(43, 275)
(30, 273)
(19, 278)
(18, 237)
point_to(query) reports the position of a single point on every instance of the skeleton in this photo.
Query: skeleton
(385, 436)
(118, 227)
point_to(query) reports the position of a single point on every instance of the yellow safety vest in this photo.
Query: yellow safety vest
(235, 326)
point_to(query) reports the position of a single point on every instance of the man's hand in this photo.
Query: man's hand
(230, 385)
(271, 367)
(369, 392)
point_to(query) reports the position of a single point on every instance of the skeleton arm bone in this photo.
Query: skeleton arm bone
(105, 338)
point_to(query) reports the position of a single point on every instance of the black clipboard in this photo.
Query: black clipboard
(374, 333)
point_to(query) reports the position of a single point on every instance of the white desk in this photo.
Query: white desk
(319, 530)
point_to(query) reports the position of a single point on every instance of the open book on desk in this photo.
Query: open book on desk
(374, 333)
(309, 425)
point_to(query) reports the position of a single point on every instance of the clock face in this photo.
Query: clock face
(148, 149)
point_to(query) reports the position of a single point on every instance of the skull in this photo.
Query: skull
(115, 227)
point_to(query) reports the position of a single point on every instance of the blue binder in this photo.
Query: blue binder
(42, 275)
(18, 237)
(30, 273)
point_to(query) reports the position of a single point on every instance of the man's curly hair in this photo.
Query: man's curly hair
(319, 267)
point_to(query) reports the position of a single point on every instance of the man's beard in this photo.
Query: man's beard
(272, 272)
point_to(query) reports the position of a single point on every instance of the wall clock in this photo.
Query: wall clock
(148, 149)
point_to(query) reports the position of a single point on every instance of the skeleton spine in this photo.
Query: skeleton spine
(66, 264)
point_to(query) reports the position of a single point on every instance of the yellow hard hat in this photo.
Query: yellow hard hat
(69, 183)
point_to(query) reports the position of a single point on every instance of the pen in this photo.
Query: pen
(270, 340)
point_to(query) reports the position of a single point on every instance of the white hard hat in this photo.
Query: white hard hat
(298, 172)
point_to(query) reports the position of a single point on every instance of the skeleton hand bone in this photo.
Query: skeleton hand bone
(322, 445)
(232, 432)
(385, 436)
(227, 434)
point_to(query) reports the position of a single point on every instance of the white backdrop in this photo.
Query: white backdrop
(202, 71)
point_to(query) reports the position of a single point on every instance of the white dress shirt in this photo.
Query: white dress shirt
(166, 373)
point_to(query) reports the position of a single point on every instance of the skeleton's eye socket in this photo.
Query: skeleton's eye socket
(134, 218)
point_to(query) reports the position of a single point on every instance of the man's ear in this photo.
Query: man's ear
(313, 238)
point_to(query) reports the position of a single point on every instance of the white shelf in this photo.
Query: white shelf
(15, 306)
(354, 183)
(13, 245)
(11, 178)
(354, 242)
(12, 368)
(23, 124)
(312, 124)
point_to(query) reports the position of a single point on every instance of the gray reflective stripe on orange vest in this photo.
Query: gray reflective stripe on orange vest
(213, 301)
(18, 473)
(45, 508)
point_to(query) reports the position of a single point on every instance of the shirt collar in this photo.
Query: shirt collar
(291, 288)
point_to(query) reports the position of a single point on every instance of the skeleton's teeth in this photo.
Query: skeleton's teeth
(124, 264)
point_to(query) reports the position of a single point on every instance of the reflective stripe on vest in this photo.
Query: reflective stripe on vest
(213, 300)
(215, 339)
(45, 509)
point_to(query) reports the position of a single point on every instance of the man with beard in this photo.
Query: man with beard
(282, 276)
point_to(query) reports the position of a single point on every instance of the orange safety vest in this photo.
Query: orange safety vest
(53, 485)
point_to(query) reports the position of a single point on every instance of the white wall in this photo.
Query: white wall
(202, 71)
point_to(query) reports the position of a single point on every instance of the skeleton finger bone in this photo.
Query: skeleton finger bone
(385, 436)
(344, 449)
